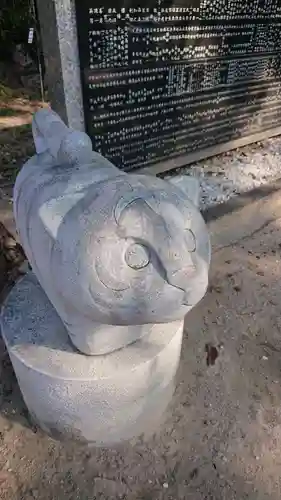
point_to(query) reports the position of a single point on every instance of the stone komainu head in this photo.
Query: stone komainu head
(106, 246)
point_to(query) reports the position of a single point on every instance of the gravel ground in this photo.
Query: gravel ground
(230, 174)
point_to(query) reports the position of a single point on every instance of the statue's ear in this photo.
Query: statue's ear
(189, 185)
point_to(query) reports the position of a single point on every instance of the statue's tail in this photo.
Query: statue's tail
(48, 131)
(51, 135)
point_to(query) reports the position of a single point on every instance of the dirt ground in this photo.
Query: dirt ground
(17, 106)
(221, 438)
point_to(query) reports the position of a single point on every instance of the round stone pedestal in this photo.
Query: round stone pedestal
(99, 400)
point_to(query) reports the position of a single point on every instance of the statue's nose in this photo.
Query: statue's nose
(171, 244)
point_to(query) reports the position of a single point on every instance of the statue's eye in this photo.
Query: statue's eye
(137, 256)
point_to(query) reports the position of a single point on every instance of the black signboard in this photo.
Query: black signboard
(165, 78)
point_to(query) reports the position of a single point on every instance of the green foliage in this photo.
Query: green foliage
(15, 21)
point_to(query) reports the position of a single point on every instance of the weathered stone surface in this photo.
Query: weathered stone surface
(59, 36)
(107, 247)
(117, 261)
(98, 400)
